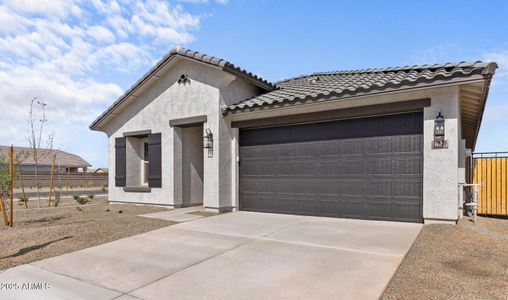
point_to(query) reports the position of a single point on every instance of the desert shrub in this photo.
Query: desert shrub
(82, 200)
(76, 197)
(57, 199)
(91, 196)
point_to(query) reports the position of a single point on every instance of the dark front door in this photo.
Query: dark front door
(368, 168)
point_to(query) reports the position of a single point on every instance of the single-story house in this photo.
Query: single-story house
(384, 144)
(65, 162)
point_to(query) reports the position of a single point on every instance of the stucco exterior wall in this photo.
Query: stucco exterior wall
(210, 87)
(164, 100)
(440, 168)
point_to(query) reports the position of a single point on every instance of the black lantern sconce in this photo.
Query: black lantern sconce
(208, 142)
(439, 133)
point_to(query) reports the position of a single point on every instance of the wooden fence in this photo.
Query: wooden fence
(490, 169)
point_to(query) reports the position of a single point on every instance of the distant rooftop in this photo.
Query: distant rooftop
(63, 159)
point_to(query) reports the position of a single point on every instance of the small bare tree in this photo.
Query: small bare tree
(20, 176)
(36, 121)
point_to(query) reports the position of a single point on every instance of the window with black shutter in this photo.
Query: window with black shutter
(154, 160)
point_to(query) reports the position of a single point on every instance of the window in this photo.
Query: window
(144, 164)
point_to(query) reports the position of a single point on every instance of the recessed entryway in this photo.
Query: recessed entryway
(192, 165)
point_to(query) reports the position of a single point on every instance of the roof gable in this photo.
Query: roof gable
(192, 55)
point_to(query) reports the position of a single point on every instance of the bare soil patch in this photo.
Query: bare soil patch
(47, 232)
(455, 262)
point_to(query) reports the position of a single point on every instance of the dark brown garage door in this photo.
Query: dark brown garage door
(369, 168)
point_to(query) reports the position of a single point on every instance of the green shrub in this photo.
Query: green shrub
(82, 200)
(57, 199)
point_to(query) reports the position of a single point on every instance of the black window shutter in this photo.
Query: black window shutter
(120, 161)
(154, 160)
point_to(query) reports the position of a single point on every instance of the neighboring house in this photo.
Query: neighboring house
(357, 144)
(99, 170)
(64, 162)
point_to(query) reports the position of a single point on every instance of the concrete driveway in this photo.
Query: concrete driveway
(237, 255)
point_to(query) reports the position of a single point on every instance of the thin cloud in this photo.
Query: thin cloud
(61, 50)
(501, 58)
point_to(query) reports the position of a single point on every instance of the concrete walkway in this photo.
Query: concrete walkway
(177, 215)
(237, 255)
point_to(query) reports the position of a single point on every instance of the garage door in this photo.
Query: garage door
(368, 168)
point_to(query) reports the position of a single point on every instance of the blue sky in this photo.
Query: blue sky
(79, 56)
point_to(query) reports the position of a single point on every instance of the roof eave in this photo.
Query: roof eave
(96, 124)
(265, 86)
(488, 79)
(307, 100)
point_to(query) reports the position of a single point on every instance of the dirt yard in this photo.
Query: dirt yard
(46, 232)
(455, 262)
(68, 201)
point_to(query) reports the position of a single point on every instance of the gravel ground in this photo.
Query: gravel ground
(47, 232)
(33, 203)
(455, 262)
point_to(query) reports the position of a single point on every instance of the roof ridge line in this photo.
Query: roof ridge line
(392, 69)
(462, 64)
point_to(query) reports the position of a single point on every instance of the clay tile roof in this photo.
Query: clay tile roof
(63, 159)
(322, 85)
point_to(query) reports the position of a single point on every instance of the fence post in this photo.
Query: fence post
(52, 170)
(11, 185)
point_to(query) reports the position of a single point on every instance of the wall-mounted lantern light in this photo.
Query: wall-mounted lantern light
(439, 133)
(208, 142)
(439, 125)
